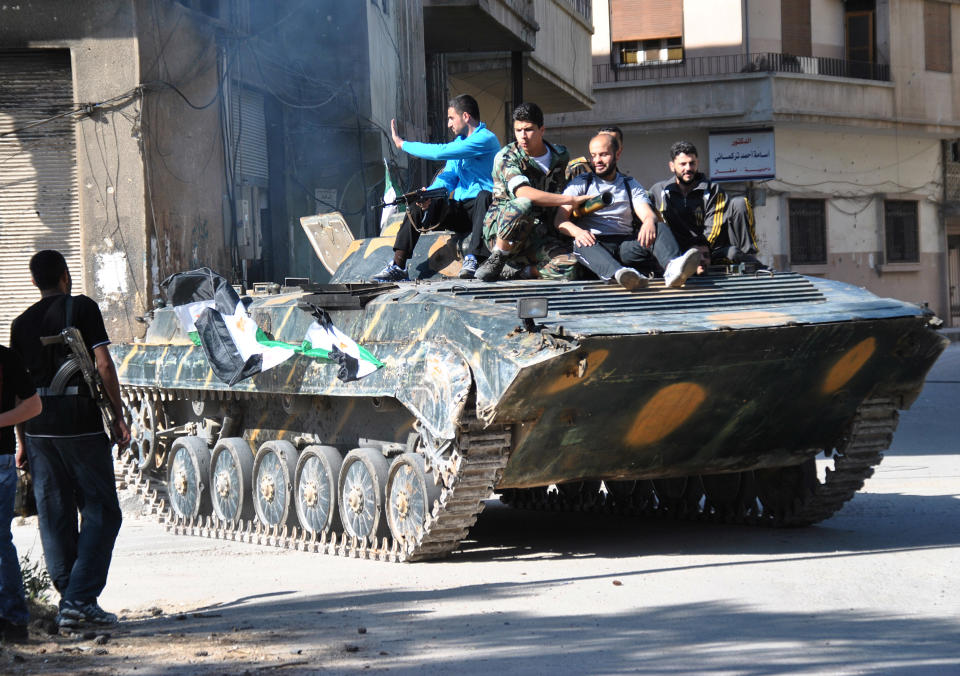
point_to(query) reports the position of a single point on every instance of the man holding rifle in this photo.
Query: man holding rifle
(467, 174)
(68, 452)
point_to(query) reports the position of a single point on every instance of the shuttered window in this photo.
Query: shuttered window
(38, 174)
(795, 27)
(808, 232)
(936, 33)
(249, 137)
(634, 20)
(902, 231)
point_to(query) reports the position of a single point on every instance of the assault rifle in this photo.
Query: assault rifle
(79, 361)
(415, 196)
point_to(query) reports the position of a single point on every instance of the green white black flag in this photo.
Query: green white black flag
(215, 318)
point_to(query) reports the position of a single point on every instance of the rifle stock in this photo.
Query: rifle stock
(80, 360)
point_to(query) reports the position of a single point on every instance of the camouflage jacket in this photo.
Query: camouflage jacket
(512, 163)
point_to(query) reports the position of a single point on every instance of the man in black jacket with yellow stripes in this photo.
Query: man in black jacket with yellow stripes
(701, 215)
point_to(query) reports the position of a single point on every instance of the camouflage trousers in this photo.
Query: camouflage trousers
(535, 240)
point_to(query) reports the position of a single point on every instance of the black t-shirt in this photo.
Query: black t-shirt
(14, 382)
(68, 415)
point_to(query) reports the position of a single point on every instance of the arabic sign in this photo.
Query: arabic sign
(745, 155)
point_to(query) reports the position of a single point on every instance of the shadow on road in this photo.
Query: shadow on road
(872, 522)
(716, 636)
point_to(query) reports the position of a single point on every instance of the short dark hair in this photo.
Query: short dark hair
(683, 148)
(47, 268)
(614, 143)
(611, 129)
(464, 103)
(528, 112)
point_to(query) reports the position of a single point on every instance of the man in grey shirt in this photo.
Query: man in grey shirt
(606, 241)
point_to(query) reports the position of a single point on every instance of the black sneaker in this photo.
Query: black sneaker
(75, 613)
(512, 272)
(492, 267)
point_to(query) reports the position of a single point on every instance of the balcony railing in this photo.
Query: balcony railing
(728, 64)
(584, 8)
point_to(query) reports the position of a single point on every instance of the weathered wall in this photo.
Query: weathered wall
(563, 46)
(922, 93)
(763, 26)
(110, 173)
(826, 28)
(855, 173)
(186, 199)
(712, 27)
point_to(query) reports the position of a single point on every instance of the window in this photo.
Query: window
(808, 232)
(858, 32)
(936, 33)
(902, 234)
(646, 31)
(642, 52)
(795, 27)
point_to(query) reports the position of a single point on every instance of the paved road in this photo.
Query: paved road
(875, 589)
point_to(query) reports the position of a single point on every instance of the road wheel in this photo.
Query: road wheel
(187, 477)
(363, 477)
(273, 471)
(411, 493)
(315, 488)
(231, 470)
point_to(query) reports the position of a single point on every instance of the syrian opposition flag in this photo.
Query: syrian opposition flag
(216, 319)
(326, 341)
(389, 194)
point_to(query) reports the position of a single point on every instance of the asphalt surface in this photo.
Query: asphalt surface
(875, 589)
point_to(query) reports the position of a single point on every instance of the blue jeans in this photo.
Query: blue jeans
(13, 605)
(71, 473)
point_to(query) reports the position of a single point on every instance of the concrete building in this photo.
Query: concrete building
(856, 103)
(145, 137)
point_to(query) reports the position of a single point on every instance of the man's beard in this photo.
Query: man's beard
(610, 173)
(683, 181)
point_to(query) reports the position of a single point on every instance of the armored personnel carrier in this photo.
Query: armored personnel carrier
(711, 401)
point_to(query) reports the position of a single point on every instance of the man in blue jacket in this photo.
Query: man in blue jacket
(467, 174)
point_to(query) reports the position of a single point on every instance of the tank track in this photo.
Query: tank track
(467, 476)
(857, 453)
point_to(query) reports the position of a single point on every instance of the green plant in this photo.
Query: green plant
(36, 579)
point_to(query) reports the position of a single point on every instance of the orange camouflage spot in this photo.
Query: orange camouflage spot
(664, 412)
(377, 243)
(354, 245)
(848, 365)
(748, 318)
(443, 257)
(571, 378)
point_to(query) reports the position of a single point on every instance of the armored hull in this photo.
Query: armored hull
(710, 401)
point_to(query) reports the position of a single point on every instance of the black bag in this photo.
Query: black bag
(25, 504)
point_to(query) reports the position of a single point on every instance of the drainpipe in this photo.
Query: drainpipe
(745, 11)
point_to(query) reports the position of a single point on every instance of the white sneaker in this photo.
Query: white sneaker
(681, 268)
(630, 279)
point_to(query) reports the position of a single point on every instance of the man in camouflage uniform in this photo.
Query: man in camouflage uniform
(528, 180)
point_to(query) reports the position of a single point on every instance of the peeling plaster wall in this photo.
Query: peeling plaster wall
(110, 175)
(186, 204)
